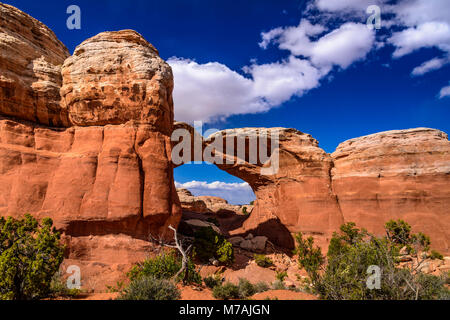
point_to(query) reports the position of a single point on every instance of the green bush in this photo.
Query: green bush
(164, 266)
(243, 290)
(309, 257)
(263, 261)
(30, 254)
(278, 285)
(58, 288)
(209, 244)
(150, 288)
(244, 210)
(399, 234)
(246, 289)
(436, 255)
(212, 281)
(281, 276)
(261, 286)
(350, 254)
(226, 291)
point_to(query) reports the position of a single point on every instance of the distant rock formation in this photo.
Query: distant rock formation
(208, 204)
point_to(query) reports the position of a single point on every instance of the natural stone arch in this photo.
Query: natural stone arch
(296, 198)
(401, 174)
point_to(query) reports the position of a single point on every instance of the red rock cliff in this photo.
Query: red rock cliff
(86, 141)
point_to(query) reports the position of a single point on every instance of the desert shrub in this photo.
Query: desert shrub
(243, 290)
(246, 289)
(399, 232)
(433, 287)
(350, 254)
(263, 261)
(261, 286)
(278, 285)
(58, 287)
(399, 235)
(164, 266)
(212, 281)
(436, 255)
(281, 276)
(225, 253)
(310, 258)
(244, 210)
(30, 254)
(118, 287)
(150, 288)
(209, 244)
(226, 291)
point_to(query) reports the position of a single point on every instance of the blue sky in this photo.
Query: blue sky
(319, 69)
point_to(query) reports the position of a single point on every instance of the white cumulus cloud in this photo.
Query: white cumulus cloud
(342, 46)
(426, 24)
(346, 5)
(212, 91)
(426, 35)
(205, 92)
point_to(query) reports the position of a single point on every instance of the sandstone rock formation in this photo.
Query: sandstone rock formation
(90, 180)
(97, 158)
(296, 198)
(401, 174)
(86, 140)
(30, 69)
(208, 204)
(115, 77)
(190, 203)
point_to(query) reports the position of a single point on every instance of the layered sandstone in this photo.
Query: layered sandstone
(190, 203)
(86, 141)
(90, 180)
(115, 77)
(296, 197)
(207, 204)
(402, 174)
(30, 69)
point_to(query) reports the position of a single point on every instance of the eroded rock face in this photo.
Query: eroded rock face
(297, 197)
(93, 180)
(190, 203)
(98, 162)
(403, 174)
(30, 69)
(115, 77)
(370, 180)
(208, 204)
